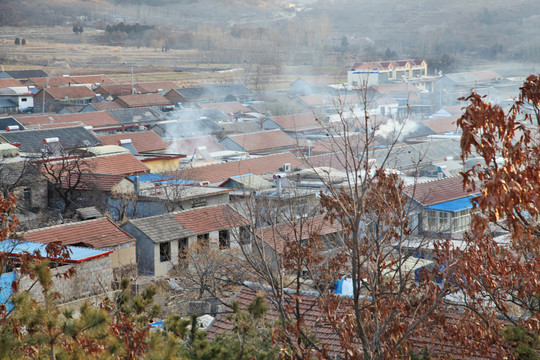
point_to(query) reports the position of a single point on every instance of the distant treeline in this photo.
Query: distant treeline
(128, 29)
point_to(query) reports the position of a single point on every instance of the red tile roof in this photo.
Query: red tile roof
(114, 90)
(230, 107)
(118, 164)
(4, 83)
(220, 172)
(264, 140)
(310, 306)
(207, 219)
(142, 100)
(95, 119)
(277, 237)
(303, 121)
(443, 125)
(93, 79)
(142, 141)
(71, 92)
(100, 182)
(439, 191)
(51, 81)
(155, 86)
(98, 234)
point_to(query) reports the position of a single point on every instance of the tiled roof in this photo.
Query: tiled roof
(9, 121)
(114, 89)
(314, 319)
(442, 125)
(229, 107)
(161, 228)
(315, 100)
(221, 172)
(26, 74)
(305, 120)
(94, 119)
(137, 115)
(277, 237)
(155, 86)
(101, 182)
(211, 218)
(189, 145)
(98, 234)
(93, 79)
(264, 140)
(319, 80)
(4, 83)
(70, 137)
(186, 128)
(142, 100)
(118, 164)
(70, 92)
(141, 140)
(52, 81)
(105, 105)
(213, 91)
(310, 309)
(439, 191)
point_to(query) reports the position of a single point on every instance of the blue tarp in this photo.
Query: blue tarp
(5, 289)
(77, 254)
(453, 206)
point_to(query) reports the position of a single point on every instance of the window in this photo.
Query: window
(182, 250)
(164, 251)
(203, 239)
(245, 235)
(28, 197)
(24, 99)
(224, 239)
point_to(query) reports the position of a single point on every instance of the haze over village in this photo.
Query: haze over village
(332, 179)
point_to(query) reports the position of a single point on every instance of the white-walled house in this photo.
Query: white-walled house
(162, 239)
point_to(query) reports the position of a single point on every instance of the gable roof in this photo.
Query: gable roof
(114, 89)
(302, 121)
(98, 234)
(9, 121)
(439, 191)
(138, 115)
(155, 86)
(221, 172)
(51, 81)
(442, 125)
(143, 100)
(277, 237)
(211, 218)
(25, 74)
(116, 164)
(260, 141)
(5, 83)
(189, 145)
(94, 119)
(213, 91)
(102, 106)
(70, 92)
(142, 140)
(93, 79)
(161, 228)
(317, 80)
(229, 107)
(70, 137)
(186, 128)
(198, 114)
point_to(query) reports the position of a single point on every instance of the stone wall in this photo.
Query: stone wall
(92, 277)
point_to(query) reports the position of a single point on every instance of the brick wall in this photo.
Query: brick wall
(92, 277)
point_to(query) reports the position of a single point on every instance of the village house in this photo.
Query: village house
(93, 273)
(18, 99)
(263, 142)
(193, 96)
(99, 121)
(56, 99)
(22, 74)
(374, 73)
(101, 234)
(163, 239)
(144, 100)
(442, 206)
(309, 85)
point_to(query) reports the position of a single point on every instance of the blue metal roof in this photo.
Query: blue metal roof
(77, 254)
(453, 205)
